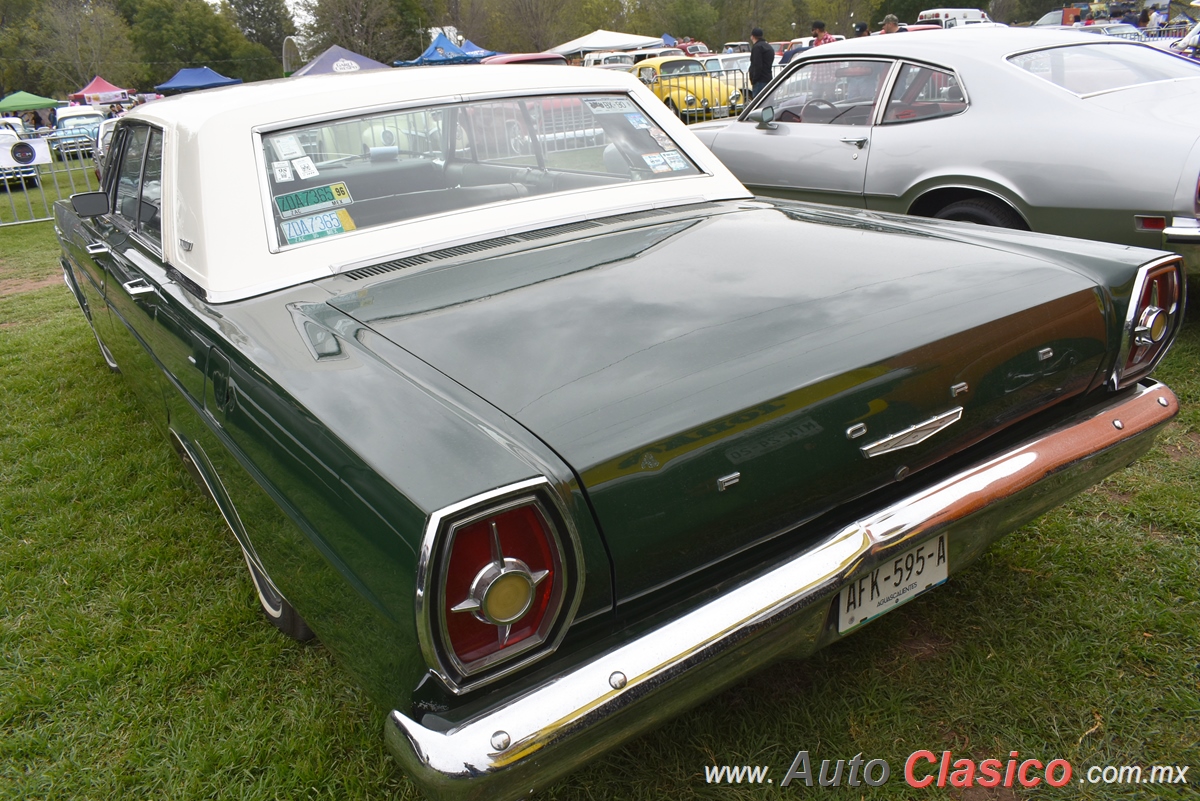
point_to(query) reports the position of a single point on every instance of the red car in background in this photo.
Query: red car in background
(525, 58)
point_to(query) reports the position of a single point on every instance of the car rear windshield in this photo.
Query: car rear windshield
(331, 178)
(1090, 68)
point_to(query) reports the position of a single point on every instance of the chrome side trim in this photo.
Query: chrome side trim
(530, 737)
(913, 435)
(426, 599)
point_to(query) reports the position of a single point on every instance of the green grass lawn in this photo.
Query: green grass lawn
(134, 662)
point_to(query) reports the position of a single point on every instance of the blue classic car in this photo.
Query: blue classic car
(437, 344)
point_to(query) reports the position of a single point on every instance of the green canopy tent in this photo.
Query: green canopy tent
(24, 101)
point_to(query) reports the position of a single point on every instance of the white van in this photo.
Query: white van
(952, 17)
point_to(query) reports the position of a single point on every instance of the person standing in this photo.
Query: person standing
(860, 29)
(820, 35)
(762, 59)
(891, 24)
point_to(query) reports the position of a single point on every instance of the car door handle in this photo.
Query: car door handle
(97, 249)
(858, 141)
(137, 287)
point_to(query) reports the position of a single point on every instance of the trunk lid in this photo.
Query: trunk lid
(713, 381)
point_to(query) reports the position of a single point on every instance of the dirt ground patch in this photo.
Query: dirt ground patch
(15, 286)
(1186, 448)
(920, 644)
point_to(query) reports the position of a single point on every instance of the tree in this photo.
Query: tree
(385, 30)
(75, 41)
(534, 25)
(694, 18)
(172, 34)
(264, 22)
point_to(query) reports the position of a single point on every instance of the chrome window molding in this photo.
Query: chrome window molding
(890, 83)
(431, 632)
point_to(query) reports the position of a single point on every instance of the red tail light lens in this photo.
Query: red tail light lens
(499, 586)
(500, 583)
(1155, 312)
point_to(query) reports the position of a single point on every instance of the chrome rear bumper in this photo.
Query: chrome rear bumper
(524, 742)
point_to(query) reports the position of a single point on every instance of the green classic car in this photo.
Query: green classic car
(437, 344)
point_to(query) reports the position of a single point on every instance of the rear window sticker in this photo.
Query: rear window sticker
(656, 162)
(609, 105)
(637, 120)
(287, 147)
(662, 139)
(283, 171)
(674, 160)
(305, 168)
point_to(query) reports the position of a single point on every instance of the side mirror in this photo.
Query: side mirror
(765, 117)
(90, 204)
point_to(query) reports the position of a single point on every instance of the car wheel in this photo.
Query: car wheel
(277, 609)
(983, 211)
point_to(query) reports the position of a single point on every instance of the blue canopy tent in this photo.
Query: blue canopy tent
(475, 51)
(191, 78)
(338, 60)
(442, 51)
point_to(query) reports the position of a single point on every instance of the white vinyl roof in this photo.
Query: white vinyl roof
(215, 212)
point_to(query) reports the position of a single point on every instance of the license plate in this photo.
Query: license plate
(901, 579)
(720, 112)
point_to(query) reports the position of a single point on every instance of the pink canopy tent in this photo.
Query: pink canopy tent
(98, 86)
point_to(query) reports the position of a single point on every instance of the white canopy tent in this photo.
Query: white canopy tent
(606, 40)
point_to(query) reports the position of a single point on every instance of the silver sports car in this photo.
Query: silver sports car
(1053, 131)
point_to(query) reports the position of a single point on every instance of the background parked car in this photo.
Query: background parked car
(608, 60)
(688, 89)
(986, 126)
(654, 52)
(75, 131)
(103, 140)
(15, 125)
(727, 62)
(12, 177)
(525, 58)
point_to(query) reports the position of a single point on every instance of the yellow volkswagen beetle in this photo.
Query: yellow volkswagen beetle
(689, 90)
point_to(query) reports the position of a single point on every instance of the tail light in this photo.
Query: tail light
(1155, 314)
(499, 584)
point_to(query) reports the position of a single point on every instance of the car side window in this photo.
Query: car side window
(129, 175)
(830, 93)
(149, 219)
(922, 93)
(646, 74)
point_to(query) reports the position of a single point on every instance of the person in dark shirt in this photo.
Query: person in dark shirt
(762, 59)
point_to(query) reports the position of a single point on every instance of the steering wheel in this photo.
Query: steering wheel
(819, 103)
